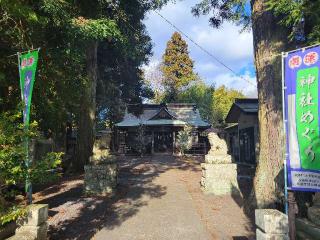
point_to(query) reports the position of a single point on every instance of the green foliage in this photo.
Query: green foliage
(63, 29)
(184, 139)
(202, 95)
(302, 17)
(95, 29)
(11, 214)
(213, 104)
(223, 99)
(120, 76)
(225, 10)
(12, 150)
(42, 170)
(13, 154)
(13, 169)
(177, 67)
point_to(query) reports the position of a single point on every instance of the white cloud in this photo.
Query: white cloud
(227, 43)
(206, 66)
(247, 86)
(233, 48)
(153, 63)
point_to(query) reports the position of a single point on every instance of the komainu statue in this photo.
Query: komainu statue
(219, 150)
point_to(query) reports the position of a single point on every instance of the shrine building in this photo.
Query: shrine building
(158, 126)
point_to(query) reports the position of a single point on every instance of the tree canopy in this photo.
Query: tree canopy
(223, 98)
(177, 67)
(202, 95)
(301, 17)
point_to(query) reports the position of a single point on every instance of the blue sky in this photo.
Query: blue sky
(233, 48)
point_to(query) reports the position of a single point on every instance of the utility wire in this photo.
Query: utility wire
(203, 49)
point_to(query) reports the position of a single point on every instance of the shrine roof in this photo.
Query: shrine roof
(175, 114)
(242, 105)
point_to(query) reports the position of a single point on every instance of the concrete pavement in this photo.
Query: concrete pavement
(157, 207)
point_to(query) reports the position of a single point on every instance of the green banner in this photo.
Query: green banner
(307, 117)
(27, 70)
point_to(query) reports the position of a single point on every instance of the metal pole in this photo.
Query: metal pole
(292, 215)
(18, 53)
(283, 55)
(28, 185)
(290, 201)
(307, 47)
(28, 181)
(239, 148)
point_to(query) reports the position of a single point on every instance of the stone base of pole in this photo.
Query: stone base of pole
(271, 225)
(34, 226)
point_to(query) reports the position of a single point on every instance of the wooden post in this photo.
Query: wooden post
(292, 211)
(152, 143)
(174, 141)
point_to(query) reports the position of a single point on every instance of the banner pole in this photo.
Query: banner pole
(284, 131)
(290, 203)
(28, 184)
(293, 210)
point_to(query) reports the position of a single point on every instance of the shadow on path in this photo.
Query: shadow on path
(72, 215)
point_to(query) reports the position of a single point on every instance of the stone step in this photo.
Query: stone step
(271, 221)
(24, 235)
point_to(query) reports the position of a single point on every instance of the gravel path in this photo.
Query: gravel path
(166, 209)
(157, 198)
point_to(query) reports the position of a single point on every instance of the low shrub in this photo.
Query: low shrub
(13, 169)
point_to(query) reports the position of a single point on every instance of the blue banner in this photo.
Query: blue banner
(301, 106)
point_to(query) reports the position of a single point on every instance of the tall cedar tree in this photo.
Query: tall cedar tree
(68, 33)
(269, 40)
(120, 79)
(177, 67)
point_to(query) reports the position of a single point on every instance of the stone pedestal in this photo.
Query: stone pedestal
(100, 177)
(271, 225)
(219, 179)
(34, 226)
(219, 174)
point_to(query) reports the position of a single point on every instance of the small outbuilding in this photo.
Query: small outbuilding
(157, 127)
(242, 133)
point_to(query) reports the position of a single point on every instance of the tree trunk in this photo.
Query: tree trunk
(269, 40)
(86, 128)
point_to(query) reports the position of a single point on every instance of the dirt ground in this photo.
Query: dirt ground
(75, 216)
